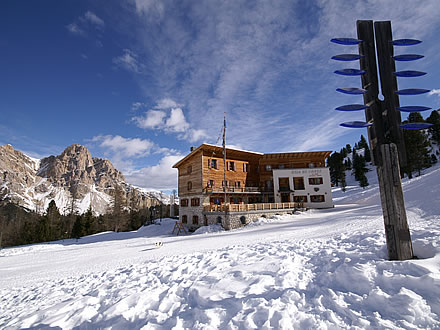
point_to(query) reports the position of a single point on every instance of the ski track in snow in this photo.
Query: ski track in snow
(322, 269)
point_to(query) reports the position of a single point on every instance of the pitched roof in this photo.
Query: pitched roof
(214, 148)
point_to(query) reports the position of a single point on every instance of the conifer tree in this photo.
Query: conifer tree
(416, 145)
(43, 229)
(54, 217)
(348, 147)
(336, 165)
(434, 119)
(77, 230)
(359, 169)
(89, 222)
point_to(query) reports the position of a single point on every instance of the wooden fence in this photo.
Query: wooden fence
(252, 207)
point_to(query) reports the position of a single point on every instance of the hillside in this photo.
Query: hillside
(316, 269)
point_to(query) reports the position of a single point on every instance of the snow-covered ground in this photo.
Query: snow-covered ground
(324, 269)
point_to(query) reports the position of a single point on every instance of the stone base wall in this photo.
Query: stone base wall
(234, 220)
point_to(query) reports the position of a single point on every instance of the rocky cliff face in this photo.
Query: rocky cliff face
(74, 180)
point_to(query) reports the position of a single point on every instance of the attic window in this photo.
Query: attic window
(231, 166)
(189, 170)
(190, 185)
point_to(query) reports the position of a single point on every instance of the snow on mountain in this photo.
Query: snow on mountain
(74, 180)
(324, 269)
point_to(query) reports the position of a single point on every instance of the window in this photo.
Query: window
(237, 184)
(283, 183)
(190, 185)
(223, 183)
(300, 199)
(231, 166)
(268, 168)
(219, 220)
(211, 183)
(243, 220)
(245, 167)
(314, 181)
(189, 169)
(317, 198)
(184, 202)
(298, 183)
(195, 220)
(212, 163)
(184, 219)
(195, 201)
(281, 166)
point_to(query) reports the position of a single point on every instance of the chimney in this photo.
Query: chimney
(192, 149)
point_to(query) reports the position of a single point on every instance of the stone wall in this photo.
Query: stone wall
(235, 220)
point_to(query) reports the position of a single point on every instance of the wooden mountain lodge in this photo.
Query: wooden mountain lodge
(252, 185)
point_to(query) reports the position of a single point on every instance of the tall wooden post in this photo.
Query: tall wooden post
(385, 136)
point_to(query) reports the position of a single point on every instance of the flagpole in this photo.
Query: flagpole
(224, 161)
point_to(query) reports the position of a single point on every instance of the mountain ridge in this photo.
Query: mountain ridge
(75, 180)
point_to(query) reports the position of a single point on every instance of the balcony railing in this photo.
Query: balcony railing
(232, 189)
(252, 207)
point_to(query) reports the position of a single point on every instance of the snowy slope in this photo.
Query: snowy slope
(316, 269)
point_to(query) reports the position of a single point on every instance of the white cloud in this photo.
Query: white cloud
(176, 122)
(170, 119)
(434, 92)
(267, 66)
(136, 106)
(128, 61)
(84, 23)
(93, 19)
(75, 29)
(150, 7)
(160, 177)
(125, 147)
(167, 104)
(152, 119)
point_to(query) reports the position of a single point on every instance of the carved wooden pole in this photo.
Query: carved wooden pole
(385, 136)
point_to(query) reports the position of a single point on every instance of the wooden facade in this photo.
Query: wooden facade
(249, 175)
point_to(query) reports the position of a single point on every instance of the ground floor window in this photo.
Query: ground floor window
(184, 219)
(300, 199)
(317, 198)
(195, 220)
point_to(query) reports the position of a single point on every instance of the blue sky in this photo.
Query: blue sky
(140, 81)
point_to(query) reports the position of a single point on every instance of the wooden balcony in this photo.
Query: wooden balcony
(233, 190)
(252, 207)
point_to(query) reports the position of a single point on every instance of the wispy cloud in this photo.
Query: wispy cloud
(93, 19)
(128, 61)
(264, 65)
(167, 116)
(129, 155)
(85, 24)
(126, 147)
(160, 177)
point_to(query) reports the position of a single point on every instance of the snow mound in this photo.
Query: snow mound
(209, 229)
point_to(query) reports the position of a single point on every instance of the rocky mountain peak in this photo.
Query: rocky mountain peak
(74, 174)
